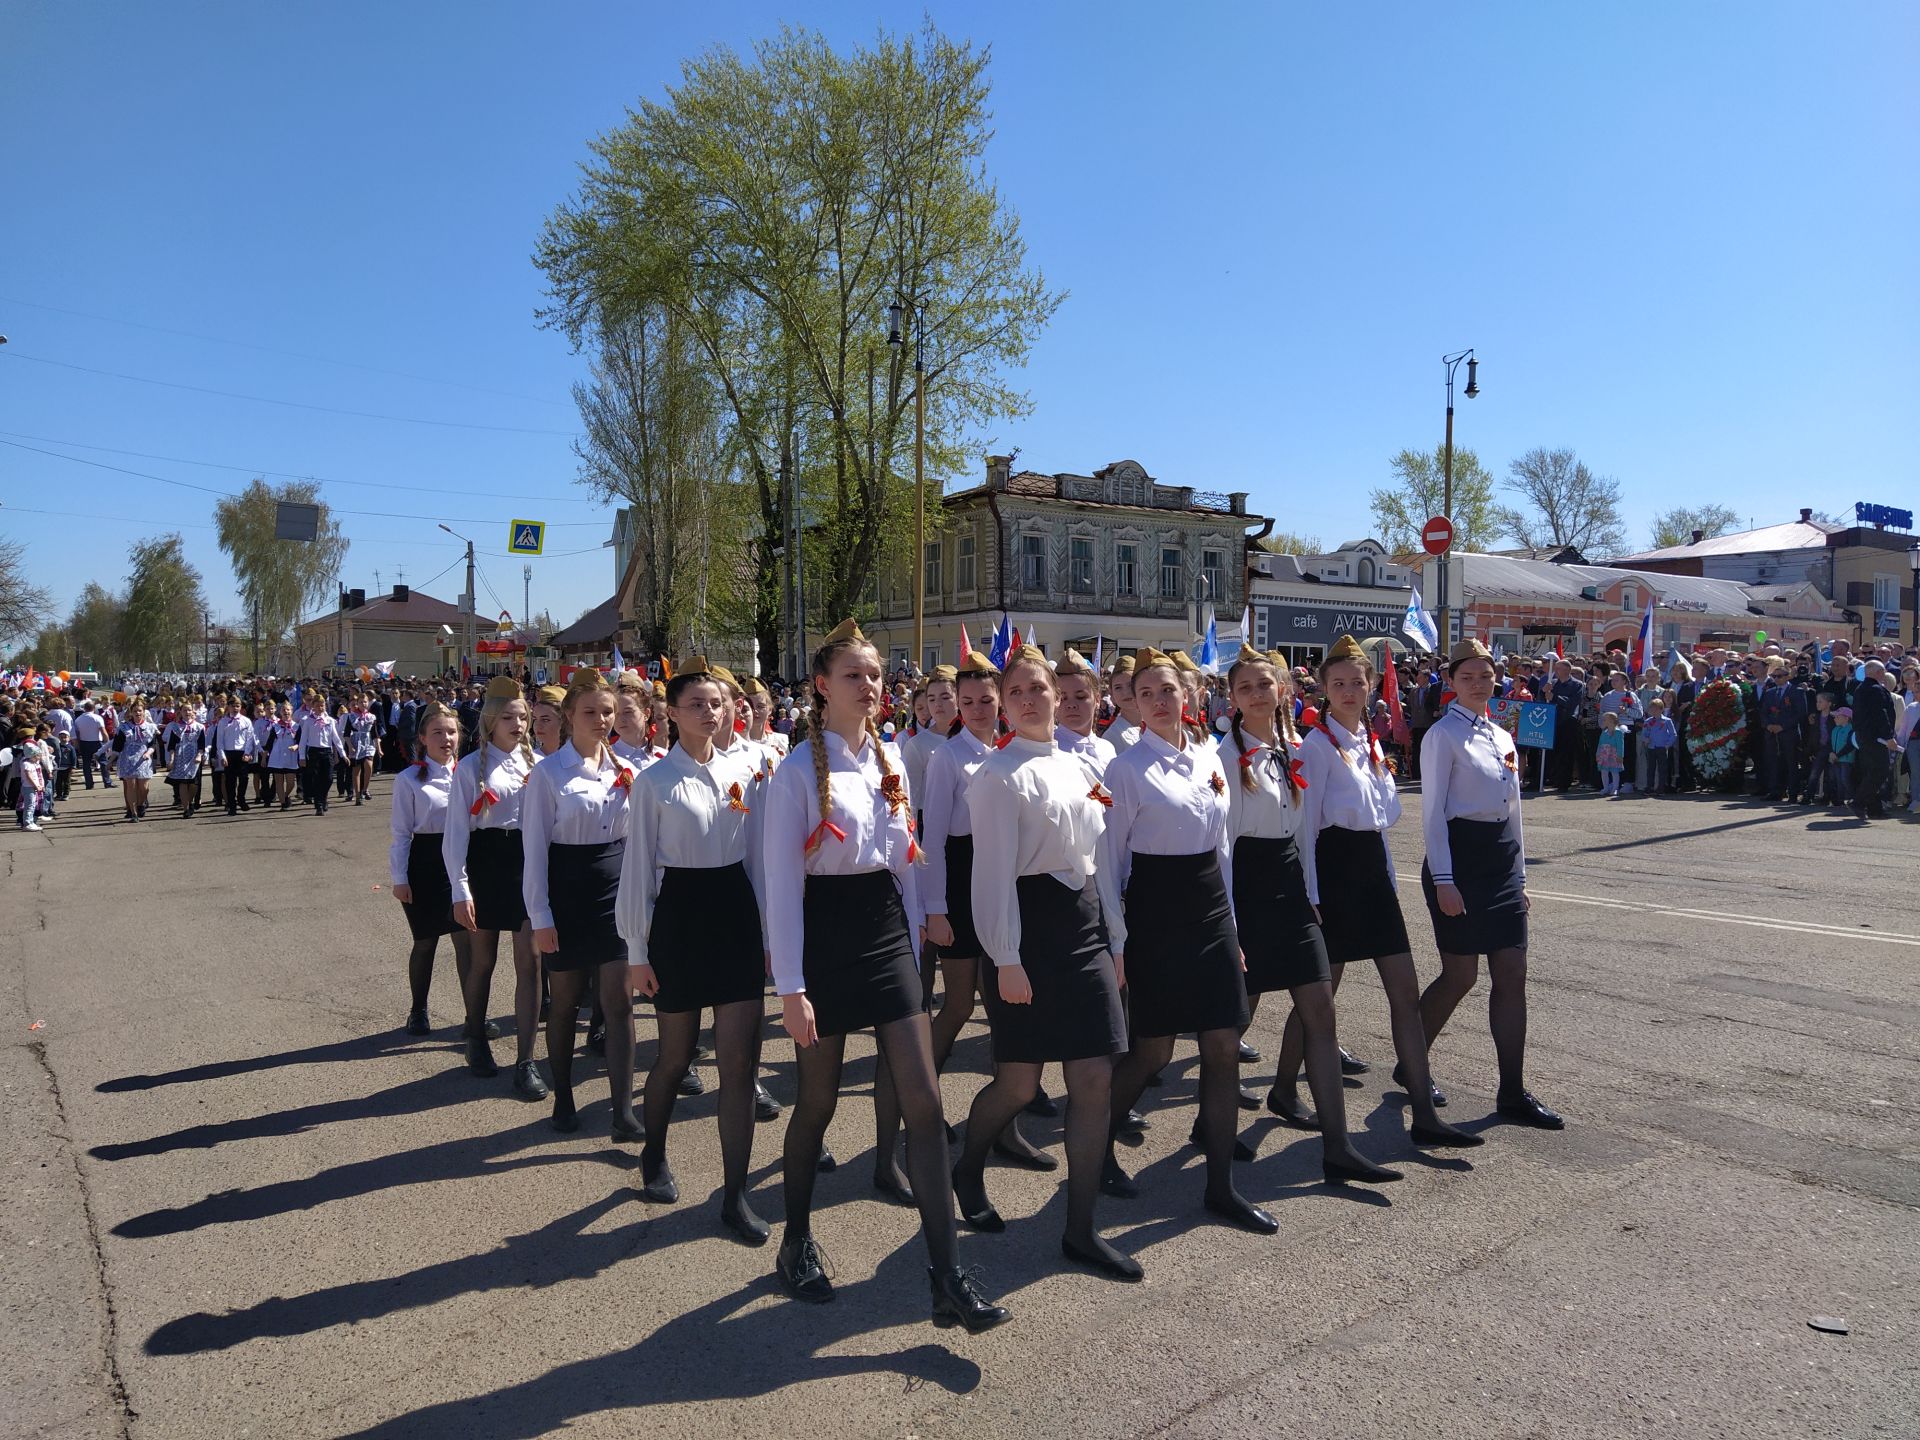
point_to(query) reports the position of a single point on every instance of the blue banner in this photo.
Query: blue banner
(1536, 725)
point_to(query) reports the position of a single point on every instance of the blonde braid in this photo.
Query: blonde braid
(1247, 781)
(817, 739)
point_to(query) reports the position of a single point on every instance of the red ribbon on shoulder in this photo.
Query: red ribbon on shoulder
(1218, 782)
(486, 798)
(1101, 795)
(736, 800)
(892, 789)
(821, 831)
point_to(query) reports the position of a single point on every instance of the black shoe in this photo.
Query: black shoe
(527, 1083)
(1031, 1158)
(597, 1039)
(765, 1107)
(1249, 1099)
(565, 1118)
(1132, 1125)
(1043, 1105)
(1116, 1182)
(1248, 1055)
(1351, 1065)
(1236, 1210)
(885, 1186)
(480, 1059)
(1341, 1172)
(740, 1219)
(692, 1084)
(1525, 1110)
(975, 1208)
(958, 1301)
(826, 1164)
(1110, 1263)
(1286, 1104)
(491, 1029)
(286, 805)
(1433, 1090)
(417, 1023)
(657, 1185)
(1242, 1151)
(802, 1268)
(1446, 1137)
(625, 1134)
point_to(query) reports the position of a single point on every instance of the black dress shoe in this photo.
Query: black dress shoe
(1236, 1210)
(1433, 1091)
(565, 1118)
(1249, 1099)
(741, 1220)
(417, 1023)
(597, 1039)
(1114, 1265)
(1242, 1151)
(765, 1107)
(491, 1029)
(826, 1164)
(958, 1301)
(1029, 1159)
(657, 1185)
(692, 1084)
(1248, 1055)
(1446, 1137)
(1132, 1125)
(1043, 1105)
(1341, 1172)
(480, 1059)
(1525, 1110)
(1116, 1182)
(1286, 1104)
(527, 1083)
(889, 1188)
(975, 1208)
(1352, 1065)
(625, 1134)
(802, 1268)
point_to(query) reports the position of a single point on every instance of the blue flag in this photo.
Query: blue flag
(619, 660)
(1002, 644)
(1418, 625)
(1209, 656)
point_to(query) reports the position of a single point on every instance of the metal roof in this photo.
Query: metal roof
(1511, 577)
(1794, 535)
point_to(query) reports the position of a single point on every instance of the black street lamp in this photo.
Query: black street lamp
(1444, 597)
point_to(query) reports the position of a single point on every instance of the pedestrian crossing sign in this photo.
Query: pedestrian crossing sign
(527, 537)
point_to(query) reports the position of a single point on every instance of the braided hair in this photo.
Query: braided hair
(1282, 722)
(1366, 718)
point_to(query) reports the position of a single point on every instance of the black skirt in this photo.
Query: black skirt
(430, 913)
(704, 943)
(856, 952)
(1270, 907)
(1182, 956)
(1075, 1012)
(1359, 907)
(494, 859)
(966, 941)
(1487, 873)
(583, 883)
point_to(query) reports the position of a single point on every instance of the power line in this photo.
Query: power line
(292, 404)
(291, 354)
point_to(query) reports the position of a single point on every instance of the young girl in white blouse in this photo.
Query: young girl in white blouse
(362, 746)
(1278, 930)
(574, 814)
(1351, 802)
(320, 744)
(690, 914)
(1079, 704)
(1170, 916)
(842, 906)
(416, 861)
(486, 864)
(1039, 811)
(942, 700)
(184, 743)
(133, 744)
(283, 754)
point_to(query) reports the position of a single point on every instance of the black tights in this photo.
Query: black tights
(961, 974)
(906, 1050)
(1506, 1007)
(736, 1043)
(1089, 1114)
(420, 964)
(478, 986)
(1219, 1096)
(1410, 1038)
(570, 987)
(1311, 1028)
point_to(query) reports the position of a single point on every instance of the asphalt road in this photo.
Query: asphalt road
(238, 1202)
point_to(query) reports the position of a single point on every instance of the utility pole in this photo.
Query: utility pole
(466, 601)
(526, 597)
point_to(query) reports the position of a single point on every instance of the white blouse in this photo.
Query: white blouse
(235, 732)
(357, 734)
(1034, 813)
(687, 816)
(318, 732)
(915, 755)
(639, 756)
(1165, 802)
(283, 742)
(1469, 770)
(871, 835)
(419, 808)
(1096, 750)
(1123, 733)
(506, 779)
(1273, 809)
(944, 809)
(565, 803)
(1343, 789)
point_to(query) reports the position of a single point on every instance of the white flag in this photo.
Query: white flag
(1418, 625)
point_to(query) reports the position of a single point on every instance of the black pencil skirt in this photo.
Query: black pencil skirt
(704, 943)
(857, 953)
(1359, 907)
(1281, 938)
(1183, 955)
(1487, 872)
(966, 941)
(494, 862)
(1075, 1013)
(430, 912)
(583, 883)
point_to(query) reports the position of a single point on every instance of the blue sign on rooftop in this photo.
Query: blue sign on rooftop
(1883, 515)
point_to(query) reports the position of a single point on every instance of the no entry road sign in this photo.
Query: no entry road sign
(1437, 535)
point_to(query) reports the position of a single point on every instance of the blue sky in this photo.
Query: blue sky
(1680, 238)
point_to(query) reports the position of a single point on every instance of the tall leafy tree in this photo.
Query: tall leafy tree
(165, 610)
(279, 579)
(1418, 492)
(1562, 502)
(94, 626)
(1676, 526)
(23, 606)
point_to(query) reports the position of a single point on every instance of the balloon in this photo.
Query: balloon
(1759, 637)
(65, 676)
(1309, 717)
(1860, 671)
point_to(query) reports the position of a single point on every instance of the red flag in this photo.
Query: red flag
(966, 645)
(1559, 647)
(1390, 692)
(1014, 644)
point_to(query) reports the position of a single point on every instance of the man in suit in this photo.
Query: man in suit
(1566, 694)
(1783, 712)
(1874, 721)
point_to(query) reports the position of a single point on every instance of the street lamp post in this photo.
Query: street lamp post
(1913, 560)
(896, 335)
(1445, 595)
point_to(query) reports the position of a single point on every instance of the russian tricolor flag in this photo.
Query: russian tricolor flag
(1643, 643)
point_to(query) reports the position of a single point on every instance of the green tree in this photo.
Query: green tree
(1285, 542)
(778, 205)
(164, 609)
(1676, 526)
(1402, 509)
(279, 579)
(23, 606)
(94, 627)
(1562, 502)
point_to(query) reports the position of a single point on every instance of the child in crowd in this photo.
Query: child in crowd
(1658, 738)
(1610, 754)
(65, 757)
(1844, 749)
(30, 764)
(1820, 757)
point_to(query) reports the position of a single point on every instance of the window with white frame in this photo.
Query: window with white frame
(933, 569)
(1033, 562)
(1080, 565)
(963, 563)
(1125, 559)
(1627, 599)
(1886, 592)
(1213, 565)
(1171, 566)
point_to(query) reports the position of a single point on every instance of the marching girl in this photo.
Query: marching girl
(1079, 700)
(320, 744)
(548, 731)
(1475, 873)
(633, 721)
(942, 700)
(760, 710)
(1170, 918)
(416, 861)
(283, 754)
(1351, 803)
(184, 744)
(362, 746)
(485, 864)
(1054, 994)
(1123, 731)
(574, 815)
(1281, 937)
(133, 742)
(842, 901)
(690, 915)
(263, 721)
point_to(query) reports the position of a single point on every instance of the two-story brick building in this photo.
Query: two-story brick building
(1116, 556)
